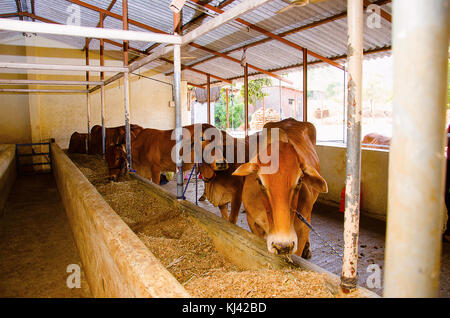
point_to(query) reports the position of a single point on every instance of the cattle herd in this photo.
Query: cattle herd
(271, 200)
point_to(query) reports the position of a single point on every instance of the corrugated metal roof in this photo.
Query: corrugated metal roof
(329, 40)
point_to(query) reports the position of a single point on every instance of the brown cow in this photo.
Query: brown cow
(373, 139)
(114, 136)
(116, 159)
(116, 153)
(152, 153)
(78, 143)
(270, 200)
(221, 187)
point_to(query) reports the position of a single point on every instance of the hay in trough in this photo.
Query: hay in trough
(185, 249)
(260, 284)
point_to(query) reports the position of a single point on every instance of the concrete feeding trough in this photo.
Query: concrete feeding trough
(118, 264)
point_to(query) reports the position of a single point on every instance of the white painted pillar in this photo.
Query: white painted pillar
(417, 161)
(355, 17)
(178, 131)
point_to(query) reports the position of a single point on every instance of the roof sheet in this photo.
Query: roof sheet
(327, 39)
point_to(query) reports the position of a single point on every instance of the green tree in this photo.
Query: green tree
(255, 92)
(236, 112)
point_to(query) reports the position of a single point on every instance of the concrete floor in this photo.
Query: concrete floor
(36, 243)
(329, 222)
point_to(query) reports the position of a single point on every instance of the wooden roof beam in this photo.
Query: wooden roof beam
(197, 71)
(272, 35)
(115, 16)
(19, 9)
(292, 31)
(237, 61)
(102, 18)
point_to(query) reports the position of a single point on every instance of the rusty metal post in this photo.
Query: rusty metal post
(417, 161)
(126, 86)
(349, 274)
(246, 98)
(208, 97)
(305, 85)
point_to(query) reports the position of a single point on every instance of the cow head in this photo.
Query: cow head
(116, 158)
(279, 190)
(212, 153)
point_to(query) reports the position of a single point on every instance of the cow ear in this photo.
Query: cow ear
(246, 169)
(315, 179)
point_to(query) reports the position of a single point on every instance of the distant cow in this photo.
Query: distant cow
(114, 136)
(152, 152)
(78, 143)
(221, 187)
(270, 200)
(373, 139)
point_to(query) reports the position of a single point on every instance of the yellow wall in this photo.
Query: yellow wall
(14, 113)
(374, 178)
(43, 116)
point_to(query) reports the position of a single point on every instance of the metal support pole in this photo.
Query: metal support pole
(305, 85)
(246, 98)
(281, 107)
(126, 87)
(352, 191)
(208, 97)
(102, 97)
(177, 98)
(178, 132)
(102, 92)
(417, 161)
(228, 112)
(88, 103)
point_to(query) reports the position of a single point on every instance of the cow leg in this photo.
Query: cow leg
(224, 210)
(235, 206)
(306, 254)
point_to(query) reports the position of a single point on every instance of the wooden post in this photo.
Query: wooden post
(305, 85)
(208, 97)
(246, 98)
(228, 112)
(126, 86)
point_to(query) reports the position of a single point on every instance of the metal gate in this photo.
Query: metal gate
(27, 166)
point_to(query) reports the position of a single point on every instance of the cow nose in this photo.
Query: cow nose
(221, 165)
(282, 248)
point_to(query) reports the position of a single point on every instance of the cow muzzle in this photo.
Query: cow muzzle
(219, 165)
(282, 245)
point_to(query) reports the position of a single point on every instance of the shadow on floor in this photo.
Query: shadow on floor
(36, 243)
